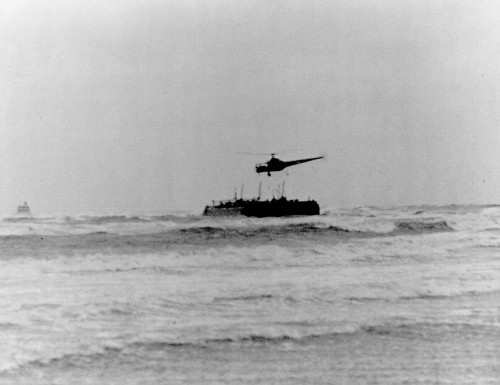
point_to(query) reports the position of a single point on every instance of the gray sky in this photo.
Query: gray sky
(139, 106)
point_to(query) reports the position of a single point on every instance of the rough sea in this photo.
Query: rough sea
(404, 295)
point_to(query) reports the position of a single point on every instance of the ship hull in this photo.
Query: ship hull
(222, 211)
(280, 208)
(261, 209)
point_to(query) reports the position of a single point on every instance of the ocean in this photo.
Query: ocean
(393, 295)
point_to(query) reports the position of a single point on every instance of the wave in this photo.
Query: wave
(9, 326)
(245, 298)
(253, 231)
(109, 219)
(398, 328)
(85, 356)
(104, 219)
(95, 263)
(422, 226)
(298, 230)
(352, 222)
(82, 359)
(426, 296)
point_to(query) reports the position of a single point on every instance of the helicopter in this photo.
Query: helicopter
(274, 164)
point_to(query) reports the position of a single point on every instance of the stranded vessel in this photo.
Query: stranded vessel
(281, 207)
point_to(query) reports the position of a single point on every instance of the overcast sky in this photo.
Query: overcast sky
(141, 106)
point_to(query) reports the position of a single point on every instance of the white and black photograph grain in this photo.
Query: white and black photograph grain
(249, 192)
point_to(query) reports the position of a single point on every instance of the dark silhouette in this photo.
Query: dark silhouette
(281, 207)
(274, 164)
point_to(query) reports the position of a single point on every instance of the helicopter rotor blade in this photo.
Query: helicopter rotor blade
(272, 154)
(253, 153)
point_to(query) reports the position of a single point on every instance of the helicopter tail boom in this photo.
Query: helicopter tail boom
(299, 161)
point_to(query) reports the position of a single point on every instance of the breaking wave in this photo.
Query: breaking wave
(269, 231)
(442, 294)
(352, 222)
(84, 357)
(422, 226)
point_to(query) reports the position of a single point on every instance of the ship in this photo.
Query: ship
(23, 210)
(281, 207)
(23, 213)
